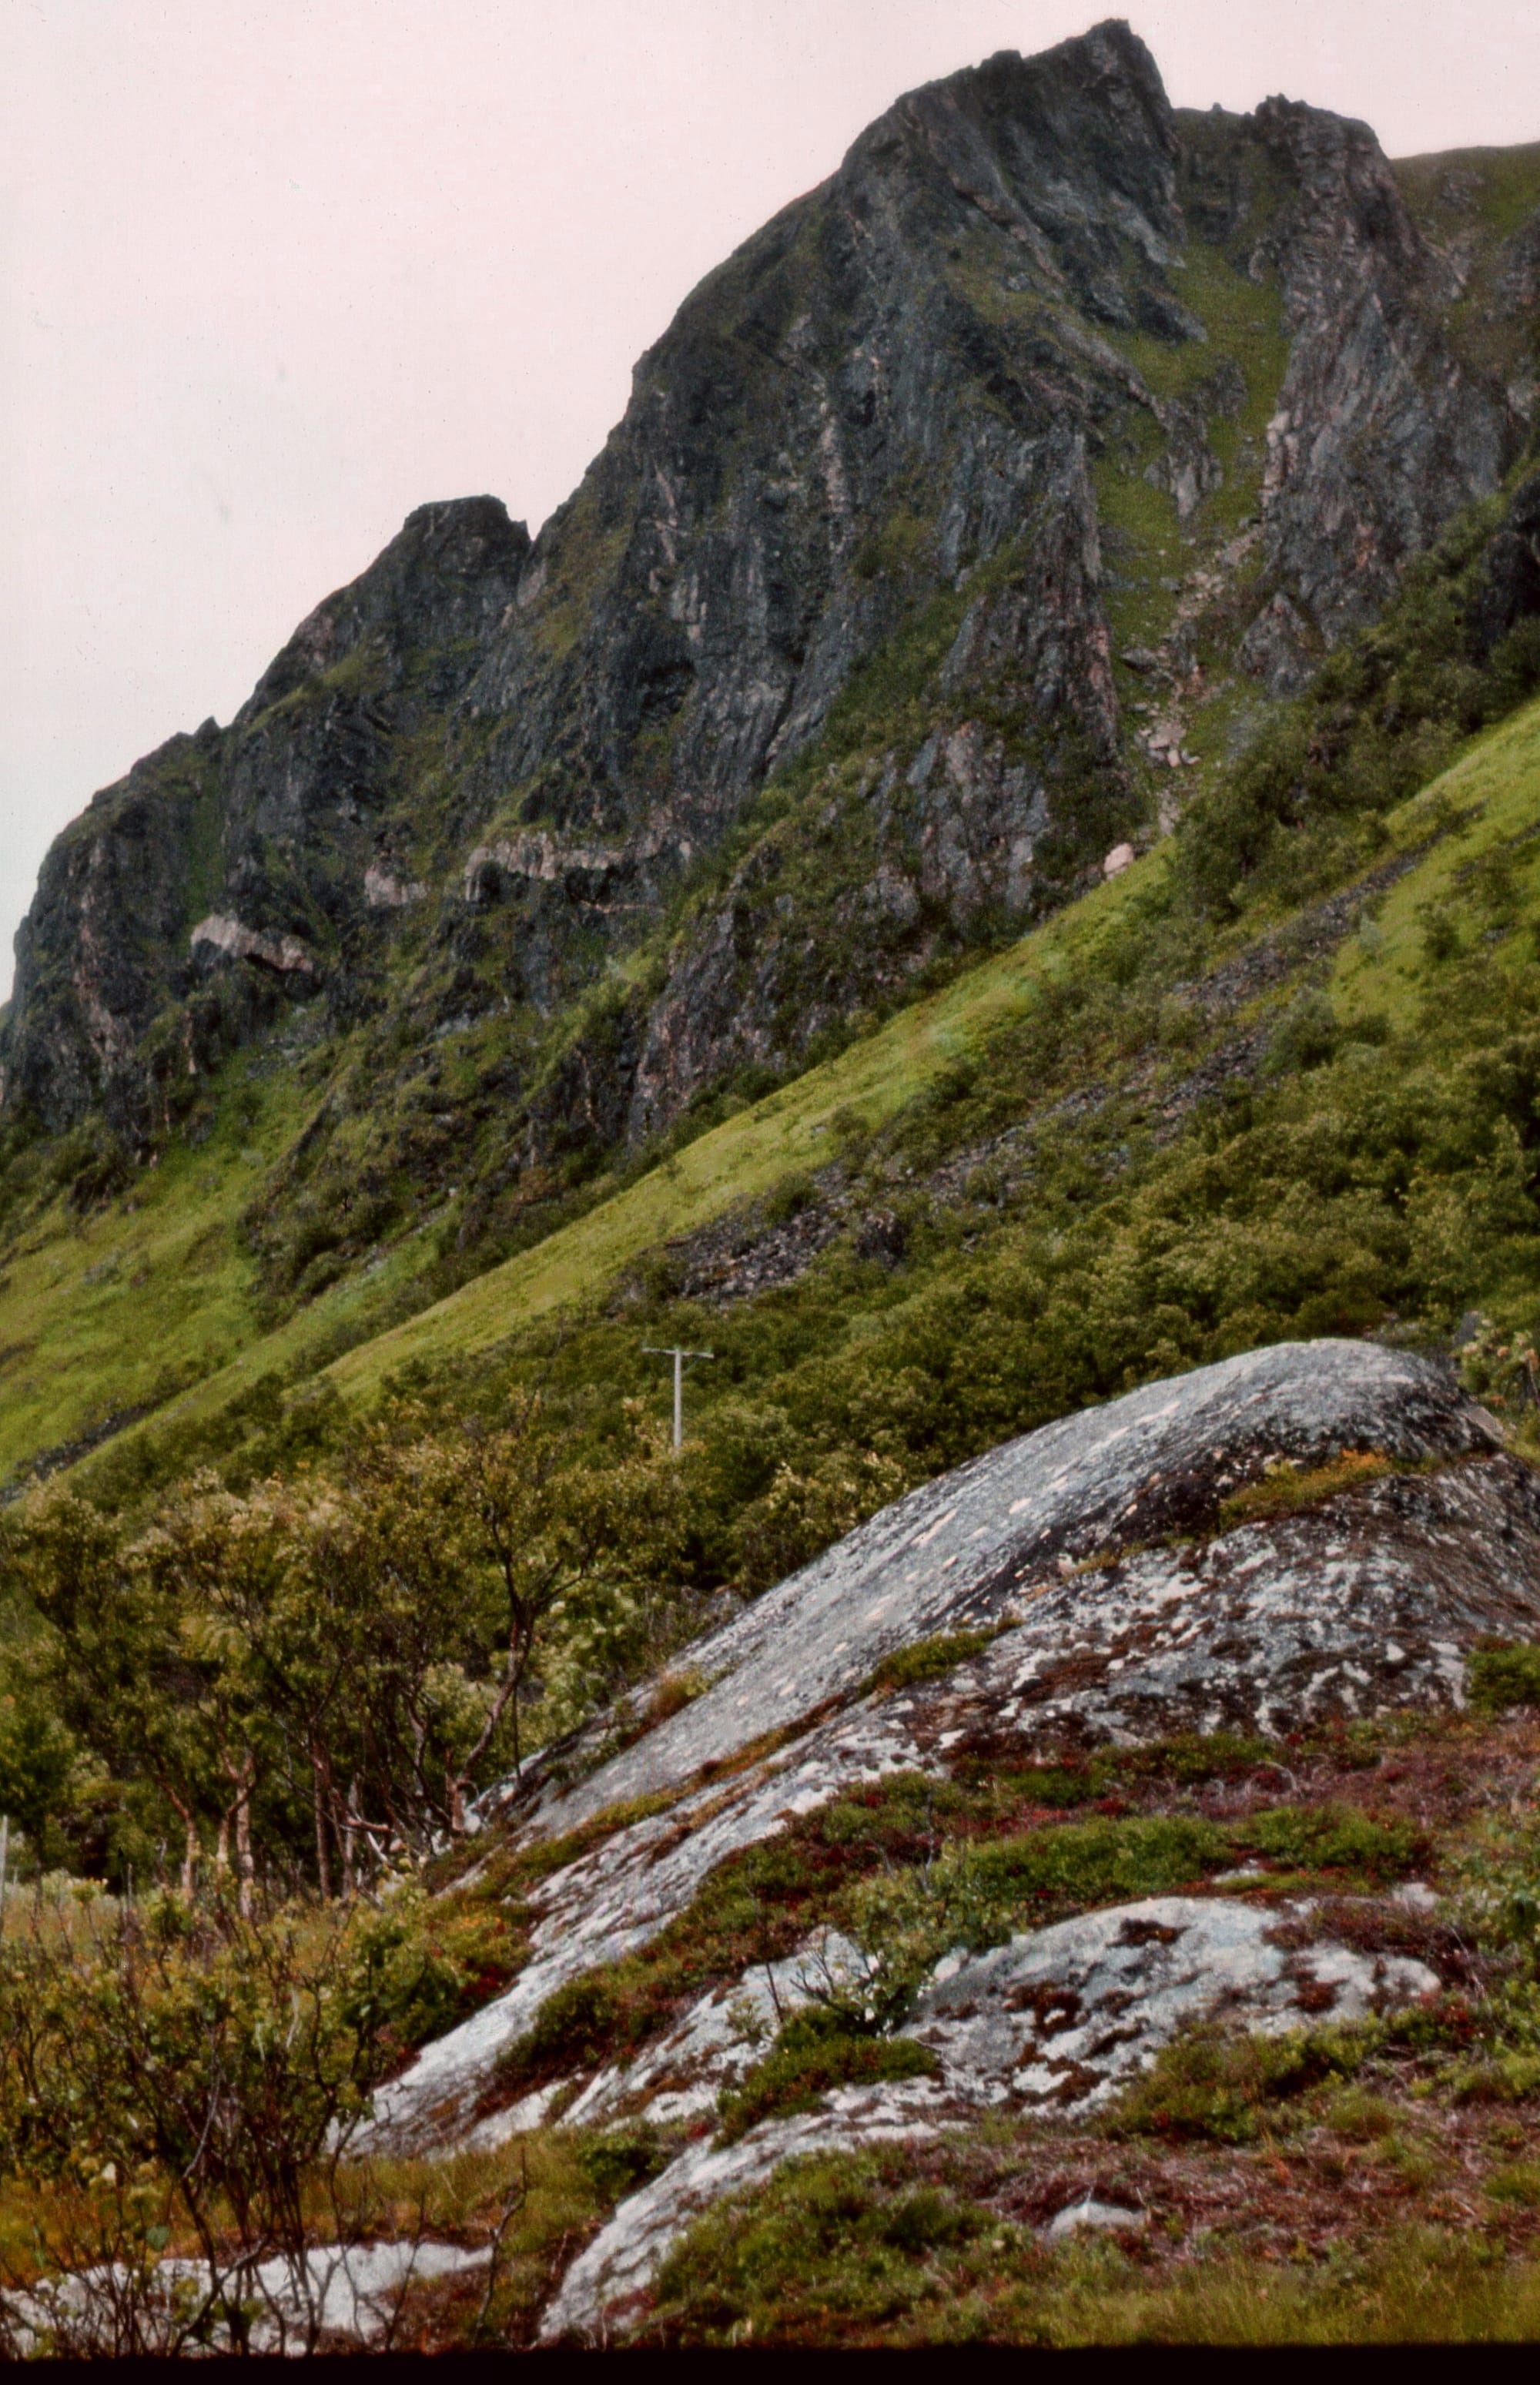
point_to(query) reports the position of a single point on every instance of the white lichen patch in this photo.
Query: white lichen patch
(1061, 2018)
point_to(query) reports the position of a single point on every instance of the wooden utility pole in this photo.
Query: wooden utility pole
(649, 1350)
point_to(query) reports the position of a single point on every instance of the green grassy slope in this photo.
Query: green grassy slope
(119, 1308)
(875, 1079)
(1494, 795)
(1473, 840)
(1479, 882)
(113, 1309)
(1478, 810)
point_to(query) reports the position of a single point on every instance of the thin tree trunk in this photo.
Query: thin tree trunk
(243, 1836)
(323, 1855)
(350, 1867)
(512, 1682)
(190, 1843)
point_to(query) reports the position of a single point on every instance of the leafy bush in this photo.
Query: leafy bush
(816, 2050)
(324, 1672)
(621, 2160)
(1212, 2085)
(1333, 1838)
(1498, 1678)
(191, 2075)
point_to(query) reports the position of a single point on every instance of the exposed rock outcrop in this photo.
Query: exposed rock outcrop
(1369, 375)
(1058, 2019)
(1366, 1602)
(1346, 1602)
(997, 1539)
(1055, 2022)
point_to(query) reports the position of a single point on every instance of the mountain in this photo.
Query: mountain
(982, 878)
(960, 529)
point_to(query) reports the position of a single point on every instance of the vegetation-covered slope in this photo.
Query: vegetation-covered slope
(694, 925)
(955, 533)
(1137, 1059)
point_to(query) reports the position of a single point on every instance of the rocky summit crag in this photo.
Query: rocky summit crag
(958, 527)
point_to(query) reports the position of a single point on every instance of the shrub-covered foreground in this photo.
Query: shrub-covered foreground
(180, 2081)
(311, 1680)
(1377, 2182)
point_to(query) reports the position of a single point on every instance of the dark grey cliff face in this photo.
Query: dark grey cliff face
(237, 870)
(850, 540)
(1382, 432)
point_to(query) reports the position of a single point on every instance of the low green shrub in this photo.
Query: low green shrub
(620, 2160)
(573, 2029)
(1504, 2079)
(1285, 1490)
(926, 1660)
(817, 2049)
(1332, 1839)
(1498, 1678)
(1209, 2085)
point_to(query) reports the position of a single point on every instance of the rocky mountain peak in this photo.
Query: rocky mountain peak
(1070, 153)
(956, 527)
(449, 572)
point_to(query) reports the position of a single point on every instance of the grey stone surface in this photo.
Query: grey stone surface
(1367, 1603)
(620, 1896)
(627, 2253)
(1113, 2217)
(1057, 2021)
(337, 2290)
(975, 1544)
(680, 2075)
(1060, 2019)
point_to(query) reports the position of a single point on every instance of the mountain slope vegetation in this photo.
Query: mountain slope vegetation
(973, 518)
(988, 857)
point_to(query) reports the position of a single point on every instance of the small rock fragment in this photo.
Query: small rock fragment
(1091, 2214)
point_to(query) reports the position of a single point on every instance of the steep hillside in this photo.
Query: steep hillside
(1144, 988)
(1123, 1143)
(968, 522)
(982, 876)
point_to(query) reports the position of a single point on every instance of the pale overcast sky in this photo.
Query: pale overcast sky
(275, 272)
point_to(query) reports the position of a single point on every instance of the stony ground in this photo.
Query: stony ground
(1344, 2174)
(1100, 1898)
(1127, 1843)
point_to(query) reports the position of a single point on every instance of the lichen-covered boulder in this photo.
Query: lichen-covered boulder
(1368, 1600)
(980, 1543)
(1058, 2019)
